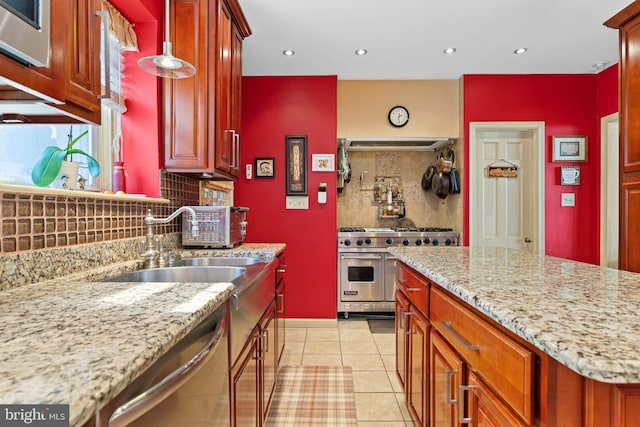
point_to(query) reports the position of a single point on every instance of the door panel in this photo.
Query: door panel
(447, 373)
(506, 203)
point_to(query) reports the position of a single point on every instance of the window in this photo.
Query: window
(21, 145)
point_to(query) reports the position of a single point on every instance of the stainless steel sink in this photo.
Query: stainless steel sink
(206, 274)
(225, 261)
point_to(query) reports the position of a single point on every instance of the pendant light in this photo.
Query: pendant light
(167, 65)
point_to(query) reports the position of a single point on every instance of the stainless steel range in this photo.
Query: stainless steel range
(367, 273)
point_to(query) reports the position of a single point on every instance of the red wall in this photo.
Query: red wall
(141, 124)
(273, 107)
(569, 105)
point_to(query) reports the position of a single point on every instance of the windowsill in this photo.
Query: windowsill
(79, 193)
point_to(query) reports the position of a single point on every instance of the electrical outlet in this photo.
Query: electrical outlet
(248, 170)
(297, 202)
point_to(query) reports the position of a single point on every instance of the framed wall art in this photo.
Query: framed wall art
(569, 149)
(296, 159)
(265, 167)
(323, 163)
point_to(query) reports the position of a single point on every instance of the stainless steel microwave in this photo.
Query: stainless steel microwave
(25, 30)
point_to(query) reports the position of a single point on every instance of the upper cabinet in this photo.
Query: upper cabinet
(68, 88)
(202, 114)
(628, 23)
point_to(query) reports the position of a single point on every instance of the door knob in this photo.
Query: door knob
(527, 240)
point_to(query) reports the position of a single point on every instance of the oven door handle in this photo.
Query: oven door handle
(363, 257)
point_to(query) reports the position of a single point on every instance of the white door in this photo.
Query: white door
(609, 203)
(505, 212)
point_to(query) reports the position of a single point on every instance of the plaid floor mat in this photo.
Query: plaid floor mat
(314, 396)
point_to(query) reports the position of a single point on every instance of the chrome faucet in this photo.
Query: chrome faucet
(151, 246)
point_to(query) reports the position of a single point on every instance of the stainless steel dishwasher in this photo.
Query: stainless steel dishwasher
(189, 385)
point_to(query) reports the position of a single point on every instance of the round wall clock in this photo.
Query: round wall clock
(398, 116)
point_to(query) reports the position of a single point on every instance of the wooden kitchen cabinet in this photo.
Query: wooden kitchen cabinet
(412, 341)
(281, 286)
(268, 356)
(245, 375)
(82, 64)
(71, 81)
(446, 374)
(417, 388)
(201, 114)
(402, 341)
(446, 344)
(627, 22)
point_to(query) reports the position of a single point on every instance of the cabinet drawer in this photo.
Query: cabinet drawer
(414, 287)
(503, 364)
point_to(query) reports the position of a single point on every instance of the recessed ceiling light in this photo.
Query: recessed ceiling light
(520, 50)
(288, 52)
(361, 52)
(449, 50)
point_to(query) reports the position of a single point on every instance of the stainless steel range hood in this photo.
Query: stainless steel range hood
(396, 144)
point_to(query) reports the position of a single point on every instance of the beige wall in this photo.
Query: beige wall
(363, 108)
(434, 108)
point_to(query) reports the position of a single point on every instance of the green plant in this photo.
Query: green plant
(49, 163)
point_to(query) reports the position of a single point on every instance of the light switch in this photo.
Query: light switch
(568, 199)
(248, 170)
(297, 202)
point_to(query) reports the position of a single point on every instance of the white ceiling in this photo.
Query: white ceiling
(405, 38)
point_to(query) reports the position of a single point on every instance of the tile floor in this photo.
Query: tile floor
(379, 396)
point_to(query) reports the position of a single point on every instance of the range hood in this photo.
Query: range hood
(395, 144)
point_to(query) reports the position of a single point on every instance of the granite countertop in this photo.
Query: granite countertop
(78, 341)
(585, 316)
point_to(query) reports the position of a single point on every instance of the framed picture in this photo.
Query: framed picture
(569, 149)
(323, 163)
(265, 167)
(296, 159)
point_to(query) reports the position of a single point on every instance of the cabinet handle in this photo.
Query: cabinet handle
(450, 373)
(465, 344)
(281, 311)
(236, 150)
(406, 323)
(461, 407)
(265, 337)
(281, 269)
(107, 59)
(152, 397)
(406, 288)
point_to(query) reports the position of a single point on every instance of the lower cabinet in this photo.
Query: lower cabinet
(418, 366)
(245, 408)
(447, 373)
(253, 376)
(457, 368)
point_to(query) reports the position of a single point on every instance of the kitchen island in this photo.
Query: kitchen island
(567, 314)
(79, 341)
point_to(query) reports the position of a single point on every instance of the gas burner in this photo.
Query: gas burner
(351, 230)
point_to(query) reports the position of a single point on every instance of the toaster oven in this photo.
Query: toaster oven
(218, 227)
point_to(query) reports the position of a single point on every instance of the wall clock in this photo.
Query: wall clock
(398, 116)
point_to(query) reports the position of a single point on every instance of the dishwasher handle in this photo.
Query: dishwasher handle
(147, 400)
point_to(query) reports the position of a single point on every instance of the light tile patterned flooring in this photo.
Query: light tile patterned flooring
(379, 396)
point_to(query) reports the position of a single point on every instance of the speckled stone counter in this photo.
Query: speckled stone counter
(584, 316)
(78, 341)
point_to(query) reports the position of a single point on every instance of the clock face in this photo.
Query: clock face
(398, 116)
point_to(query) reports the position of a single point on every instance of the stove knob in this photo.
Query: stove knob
(427, 241)
(405, 242)
(434, 242)
(418, 242)
(389, 240)
(347, 242)
(367, 241)
(359, 242)
(447, 242)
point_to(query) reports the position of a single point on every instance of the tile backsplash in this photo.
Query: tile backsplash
(424, 208)
(32, 221)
